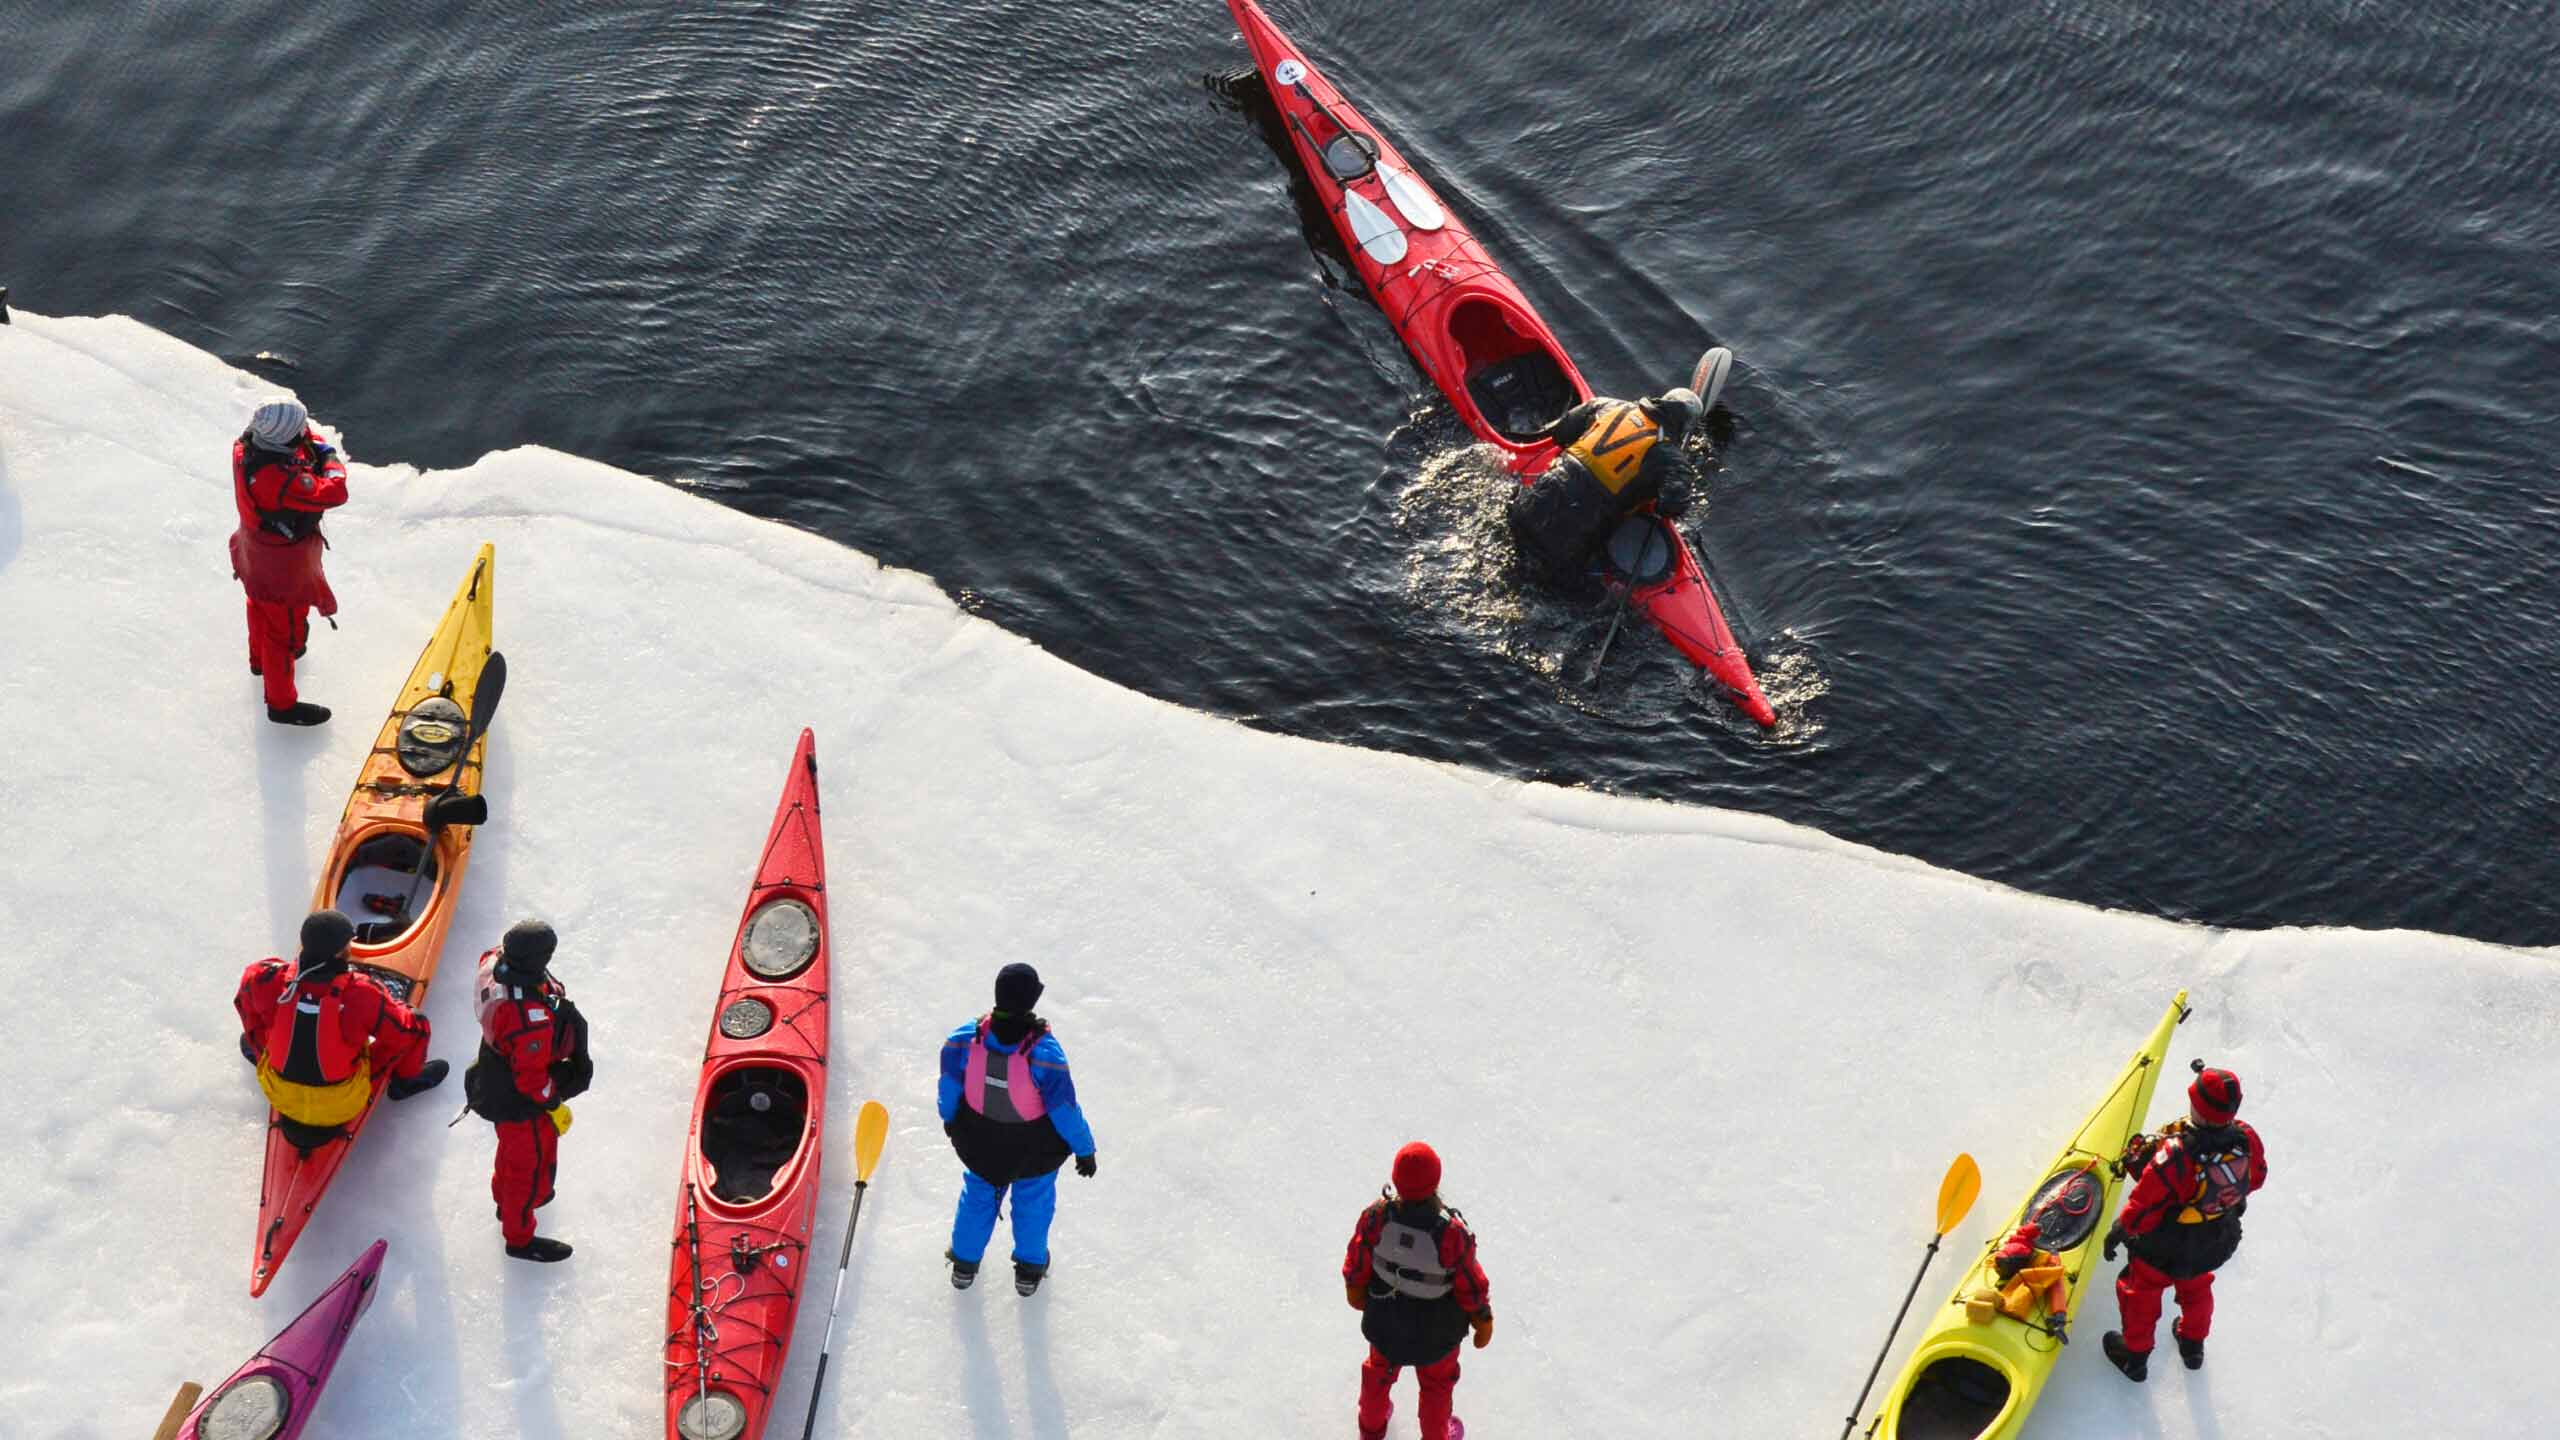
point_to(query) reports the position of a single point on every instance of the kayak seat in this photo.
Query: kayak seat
(1350, 155)
(374, 887)
(1522, 395)
(752, 1130)
(1954, 1399)
(306, 1138)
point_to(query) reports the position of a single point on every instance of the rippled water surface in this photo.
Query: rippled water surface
(2137, 486)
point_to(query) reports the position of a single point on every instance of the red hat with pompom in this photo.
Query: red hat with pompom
(1417, 1172)
(2214, 1098)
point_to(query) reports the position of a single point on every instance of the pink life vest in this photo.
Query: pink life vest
(1017, 1098)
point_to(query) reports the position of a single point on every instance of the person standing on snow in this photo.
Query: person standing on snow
(533, 1060)
(283, 478)
(319, 1031)
(2182, 1221)
(1010, 1109)
(1619, 457)
(1412, 1274)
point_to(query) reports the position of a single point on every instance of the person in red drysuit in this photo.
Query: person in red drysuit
(318, 1031)
(1411, 1271)
(283, 478)
(2182, 1221)
(532, 1061)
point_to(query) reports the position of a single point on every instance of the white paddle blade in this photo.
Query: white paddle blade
(1714, 368)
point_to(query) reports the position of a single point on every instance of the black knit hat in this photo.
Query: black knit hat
(1018, 989)
(528, 946)
(325, 937)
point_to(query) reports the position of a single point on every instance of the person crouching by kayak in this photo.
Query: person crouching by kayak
(1010, 1108)
(1618, 458)
(2182, 1221)
(533, 1060)
(284, 476)
(1412, 1274)
(319, 1031)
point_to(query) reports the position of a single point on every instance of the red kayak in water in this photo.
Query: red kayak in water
(1471, 330)
(750, 1191)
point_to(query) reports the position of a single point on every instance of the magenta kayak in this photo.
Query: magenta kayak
(272, 1396)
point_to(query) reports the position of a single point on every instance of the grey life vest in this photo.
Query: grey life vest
(1408, 1260)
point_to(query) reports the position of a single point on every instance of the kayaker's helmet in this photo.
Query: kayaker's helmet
(1417, 1172)
(525, 952)
(1676, 411)
(326, 934)
(2214, 1098)
(278, 423)
(1018, 989)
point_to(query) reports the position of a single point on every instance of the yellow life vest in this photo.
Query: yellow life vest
(319, 1104)
(1614, 446)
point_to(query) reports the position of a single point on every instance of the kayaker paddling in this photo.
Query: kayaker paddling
(1010, 1108)
(284, 477)
(1620, 457)
(533, 1060)
(319, 1030)
(1411, 1272)
(2182, 1221)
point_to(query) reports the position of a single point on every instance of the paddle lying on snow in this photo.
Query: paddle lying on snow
(450, 806)
(1955, 1197)
(870, 1132)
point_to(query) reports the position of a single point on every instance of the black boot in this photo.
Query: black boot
(2191, 1351)
(1027, 1276)
(300, 712)
(964, 1273)
(2136, 1368)
(429, 1076)
(541, 1249)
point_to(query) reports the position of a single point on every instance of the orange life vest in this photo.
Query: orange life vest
(1615, 445)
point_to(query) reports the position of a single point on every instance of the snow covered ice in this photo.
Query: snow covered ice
(1695, 1074)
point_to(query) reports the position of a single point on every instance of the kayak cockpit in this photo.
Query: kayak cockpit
(388, 881)
(753, 1125)
(1515, 380)
(1956, 1398)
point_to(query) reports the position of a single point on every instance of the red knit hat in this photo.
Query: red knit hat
(1416, 1172)
(2214, 1098)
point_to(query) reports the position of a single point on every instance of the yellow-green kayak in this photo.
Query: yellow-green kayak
(1969, 1381)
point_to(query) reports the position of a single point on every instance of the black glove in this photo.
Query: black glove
(2061, 1328)
(248, 1051)
(951, 1127)
(1085, 1166)
(1674, 500)
(2115, 1242)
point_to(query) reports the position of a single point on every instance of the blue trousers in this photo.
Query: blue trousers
(1035, 1204)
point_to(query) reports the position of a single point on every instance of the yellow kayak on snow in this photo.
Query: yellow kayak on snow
(1977, 1381)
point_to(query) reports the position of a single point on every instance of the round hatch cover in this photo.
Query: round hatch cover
(746, 1019)
(715, 1415)
(254, 1409)
(782, 938)
(431, 736)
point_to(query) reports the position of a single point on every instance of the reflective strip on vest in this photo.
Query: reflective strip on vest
(1614, 447)
(1408, 1261)
(1009, 1099)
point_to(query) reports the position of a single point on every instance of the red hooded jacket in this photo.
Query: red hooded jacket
(276, 551)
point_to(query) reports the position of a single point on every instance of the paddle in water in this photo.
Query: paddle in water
(1714, 368)
(870, 1132)
(1955, 1197)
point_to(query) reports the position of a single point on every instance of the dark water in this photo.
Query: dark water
(2139, 487)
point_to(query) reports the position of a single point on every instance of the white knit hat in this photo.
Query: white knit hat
(279, 423)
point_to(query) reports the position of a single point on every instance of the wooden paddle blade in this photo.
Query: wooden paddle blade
(1956, 1192)
(179, 1409)
(870, 1133)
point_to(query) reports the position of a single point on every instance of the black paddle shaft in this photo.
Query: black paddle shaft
(843, 1261)
(1898, 1317)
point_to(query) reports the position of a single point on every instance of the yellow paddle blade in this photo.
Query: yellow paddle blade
(871, 1131)
(1956, 1192)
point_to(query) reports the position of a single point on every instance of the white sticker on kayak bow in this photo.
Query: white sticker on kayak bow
(1288, 72)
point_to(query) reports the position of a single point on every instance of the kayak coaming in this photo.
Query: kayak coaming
(300, 1357)
(755, 1310)
(1431, 288)
(387, 800)
(2024, 1355)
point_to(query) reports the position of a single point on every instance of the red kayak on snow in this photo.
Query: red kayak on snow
(1467, 325)
(749, 1195)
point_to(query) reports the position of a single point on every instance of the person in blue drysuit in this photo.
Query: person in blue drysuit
(1010, 1109)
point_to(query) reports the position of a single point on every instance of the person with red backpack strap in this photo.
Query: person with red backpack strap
(319, 1031)
(1010, 1108)
(2182, 1220)
(284, 477)
(1411, 1272)
(533, 1061)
